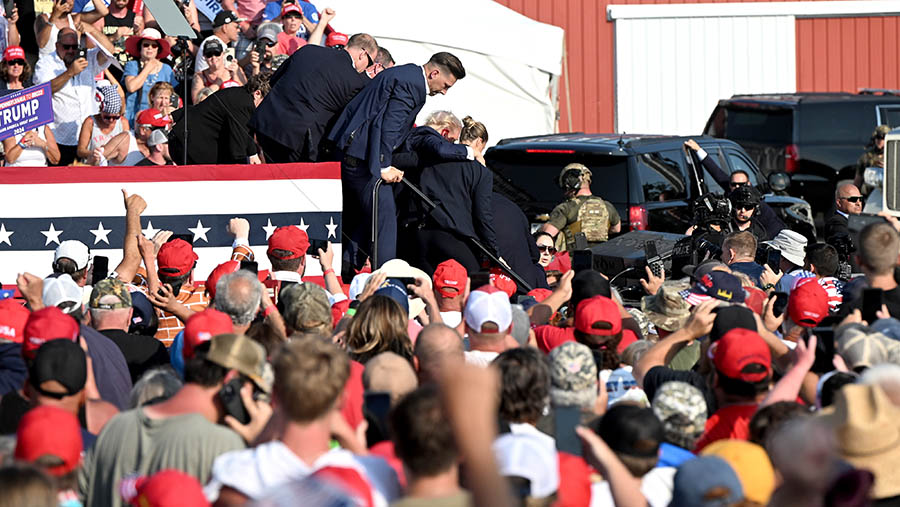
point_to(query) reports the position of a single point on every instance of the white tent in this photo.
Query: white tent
(512, 62)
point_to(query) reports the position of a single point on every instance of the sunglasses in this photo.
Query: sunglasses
(16, 62)
(270, 44)
(735, 185)
(548, 249)
(853, 198)
(746, 207)
(69, 46)
(150, 45)
(210, 54)
(371, 61)
(110, 117)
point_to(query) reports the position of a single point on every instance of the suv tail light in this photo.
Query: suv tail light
(790, 158)
(637, 218)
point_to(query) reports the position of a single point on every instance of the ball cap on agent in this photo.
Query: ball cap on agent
(450, 275)
(50, 431)
(47, 324)
(176, 258)
(738, 349)
(715, 285)
(13, 317)
(808, 303)
(166, 488)
(488, 304)
(202, 326)
(75, 250)
(238, 352)
(60, 361)
(598, 316)
(289, 238)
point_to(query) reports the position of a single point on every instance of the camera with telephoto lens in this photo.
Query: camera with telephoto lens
(844, 246)
(709, 209)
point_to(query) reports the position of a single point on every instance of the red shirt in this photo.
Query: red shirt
(549, 337)
(352, 407)
(731, 421)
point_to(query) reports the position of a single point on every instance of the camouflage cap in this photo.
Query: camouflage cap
(573, 375)
(666, 309)
(110, 294)
(306, 307)
(642, 321)
(682, 410)
(881, 131)
(585, 172)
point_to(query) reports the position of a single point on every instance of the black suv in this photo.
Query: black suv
(817, 138)
(645, 177)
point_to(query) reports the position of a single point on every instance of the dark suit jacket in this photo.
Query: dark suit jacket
(516, 244)
(218, 129)
(425, 146)
(307, 93)
(836, 225)
(376, 121)
(462, 192)
(764, 215)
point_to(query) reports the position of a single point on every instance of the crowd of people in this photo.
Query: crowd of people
(458, 358)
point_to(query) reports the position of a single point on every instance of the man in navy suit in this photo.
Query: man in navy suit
(372, 126)
(308, 92)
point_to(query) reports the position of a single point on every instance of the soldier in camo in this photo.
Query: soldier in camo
(872, 157)
(682, 410)
(584, 219)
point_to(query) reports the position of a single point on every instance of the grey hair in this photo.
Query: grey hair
(156, 384)
(443, 119)
(238, 294)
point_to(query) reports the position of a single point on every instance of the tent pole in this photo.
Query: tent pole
(566, 77)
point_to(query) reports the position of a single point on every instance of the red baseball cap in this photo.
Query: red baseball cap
(450, 275)
(291, 239)
(46, 430)
(226, 268)
(336, 39)
(291, 8)
(166, 488)
(503, 282)
(176, 258)
(201, 327)
(808, 303)
(12, 321)
(47, 324)
(598, 316)
(738, 349)
(540, 294)
(152, 117)
(13, 53)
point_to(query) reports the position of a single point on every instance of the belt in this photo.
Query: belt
(352, 162)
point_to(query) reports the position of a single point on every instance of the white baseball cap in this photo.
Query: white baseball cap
(61, 291)
(488, 304)
(75, 250)
(528, 455)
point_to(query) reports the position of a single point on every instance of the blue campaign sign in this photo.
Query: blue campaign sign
(26, 109)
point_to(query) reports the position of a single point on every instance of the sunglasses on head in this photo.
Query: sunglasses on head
(853, 198)
(212, 53)
(547, 248)
(16, 62)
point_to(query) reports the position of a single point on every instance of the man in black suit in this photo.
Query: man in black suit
(370, 129)
(847, 201)
(218, 126)
(309, 90)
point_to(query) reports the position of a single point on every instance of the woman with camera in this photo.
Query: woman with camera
(223, 70)
(145, 70)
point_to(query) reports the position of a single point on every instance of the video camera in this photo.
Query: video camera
(711, 209)
(844, 246)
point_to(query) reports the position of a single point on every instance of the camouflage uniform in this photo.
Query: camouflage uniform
(872, 157)
(568, 218)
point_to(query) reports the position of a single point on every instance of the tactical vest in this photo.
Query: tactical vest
(592, 220)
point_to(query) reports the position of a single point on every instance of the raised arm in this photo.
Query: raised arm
(699, 324)
(131, 258)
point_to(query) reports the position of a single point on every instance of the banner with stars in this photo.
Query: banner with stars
(41, 207)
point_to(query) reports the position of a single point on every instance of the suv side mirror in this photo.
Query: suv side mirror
(779, 182)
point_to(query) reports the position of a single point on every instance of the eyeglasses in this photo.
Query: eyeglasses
(733, 184)
(16, 62)
(547, 249)
(69, 46)
(150, 45)
(853, 198)
(210, 54)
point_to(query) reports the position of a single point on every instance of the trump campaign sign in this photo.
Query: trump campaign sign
(24, 110)
(43, 206)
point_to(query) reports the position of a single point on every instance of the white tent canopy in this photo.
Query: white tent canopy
(512, 62)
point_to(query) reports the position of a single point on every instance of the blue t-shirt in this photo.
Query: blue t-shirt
(672, 455)
(131, 69)
(175, 355)
(751, 269)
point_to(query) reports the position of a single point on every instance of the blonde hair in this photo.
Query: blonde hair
(310, 375)
(443, 119)
(472, 130)
(380, 325)
(161, 86)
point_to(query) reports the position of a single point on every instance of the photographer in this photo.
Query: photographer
(264, 50)
(70, 70)
(145, 70)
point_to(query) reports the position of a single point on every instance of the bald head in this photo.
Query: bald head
(388, 372)
(844, 196)
(66, 44)
(436, 343)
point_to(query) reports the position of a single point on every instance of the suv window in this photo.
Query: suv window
(770, 126)
(836, 123)
(739, 163)
(532, 177)
(661, 175)
(889, 115)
